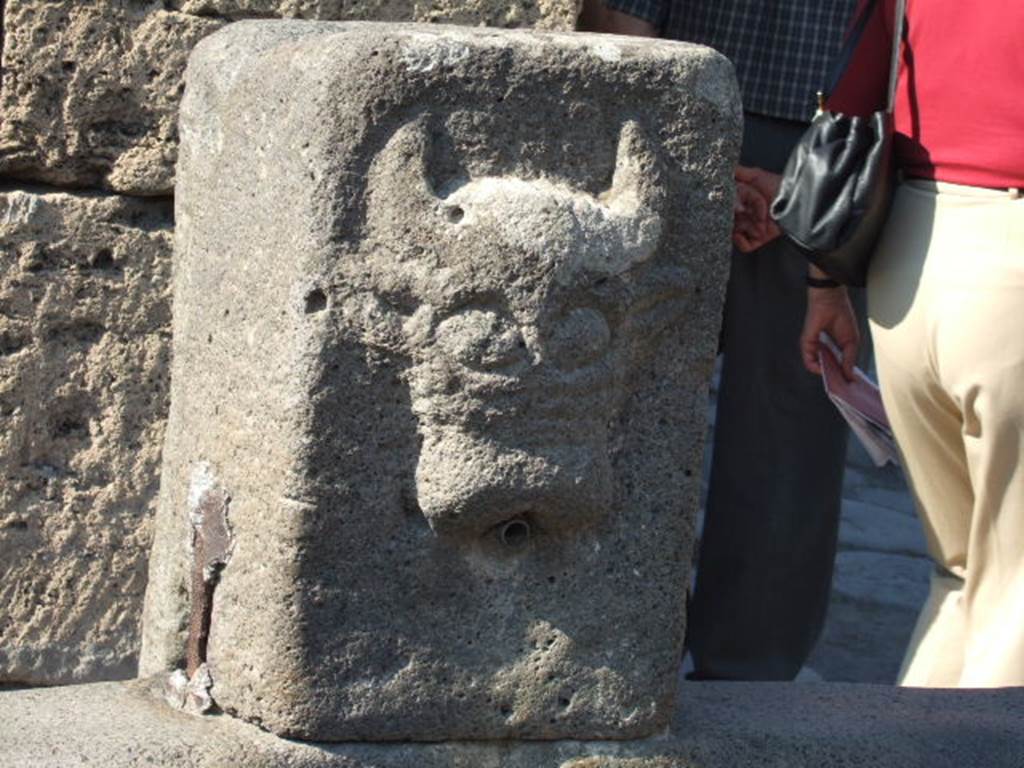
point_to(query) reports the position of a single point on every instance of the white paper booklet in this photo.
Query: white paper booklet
(860, 403)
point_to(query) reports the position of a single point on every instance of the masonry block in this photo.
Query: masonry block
(84, 358)
(446, 308)
(91, 88)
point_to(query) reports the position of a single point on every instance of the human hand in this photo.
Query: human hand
(598, 18)
(752, 225)
(765, 182)
(829, 310)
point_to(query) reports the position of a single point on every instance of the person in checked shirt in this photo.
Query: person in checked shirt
(769, 541)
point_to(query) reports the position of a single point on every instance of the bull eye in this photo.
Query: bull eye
(481, 339)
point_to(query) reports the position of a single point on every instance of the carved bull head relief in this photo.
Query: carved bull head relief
(516, 301)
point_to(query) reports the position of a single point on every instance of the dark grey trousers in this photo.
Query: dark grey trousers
(769, 542)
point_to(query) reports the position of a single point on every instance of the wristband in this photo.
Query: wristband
(821, 282)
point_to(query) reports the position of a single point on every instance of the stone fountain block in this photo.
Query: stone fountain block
(446, 307)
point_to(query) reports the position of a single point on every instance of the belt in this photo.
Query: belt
(1015, 193)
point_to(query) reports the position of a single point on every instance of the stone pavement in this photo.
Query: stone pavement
(880, 579)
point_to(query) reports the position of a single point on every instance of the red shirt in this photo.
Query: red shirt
(958, 113)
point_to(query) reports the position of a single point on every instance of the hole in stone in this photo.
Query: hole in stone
(69, 425)
(10, 343)
(563, 702)
(316, 301)
(514, 533)
(455, 214)
(17, 525)
(102, 259)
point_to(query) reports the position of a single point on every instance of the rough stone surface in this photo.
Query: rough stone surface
(542, 14)
(90, 89)
(718, 725)
(446, 307)
(84, 348)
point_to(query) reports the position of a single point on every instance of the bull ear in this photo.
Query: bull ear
(635, 182)
(400, 169)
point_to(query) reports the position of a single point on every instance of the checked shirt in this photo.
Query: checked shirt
(782, 49)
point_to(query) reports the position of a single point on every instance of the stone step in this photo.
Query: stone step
(722, 725)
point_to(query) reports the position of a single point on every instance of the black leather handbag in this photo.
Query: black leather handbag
(837, 186)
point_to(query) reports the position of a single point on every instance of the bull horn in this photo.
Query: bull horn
(400, 169)
(634, 183)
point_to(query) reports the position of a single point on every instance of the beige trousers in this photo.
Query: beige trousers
(946, 306)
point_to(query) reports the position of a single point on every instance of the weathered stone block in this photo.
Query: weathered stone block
(446, 307)
(84, 348)
(90, 89)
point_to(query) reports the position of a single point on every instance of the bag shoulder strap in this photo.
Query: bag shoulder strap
(899, 30)
(842, 61)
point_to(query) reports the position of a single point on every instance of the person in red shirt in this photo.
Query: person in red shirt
(946, 311)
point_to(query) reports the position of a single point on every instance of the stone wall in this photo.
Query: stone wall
(84, 316)
(91, 89)
(88, 141)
